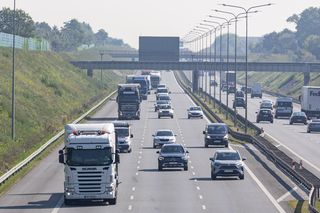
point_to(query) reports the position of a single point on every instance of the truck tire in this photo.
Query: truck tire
(159, 167)
(213, 176)
(159, 116)
(185, 168)
(241, 177)
(112, 201)
(206, 145)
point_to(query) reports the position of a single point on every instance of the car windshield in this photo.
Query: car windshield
(122, 132)
(88, 157)
(315, 124)
(164, 97)
(172, 149)
(195, 108)
(284, 104)
(162, 90)
(165, 107)
(164, 133)
(228, 156)
(161, 86)
(217, 129)
(299, 114)
(162, 101)
(266, 105)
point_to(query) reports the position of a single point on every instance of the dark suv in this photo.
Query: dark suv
(172, 156)
(216, 134)
(264, 115)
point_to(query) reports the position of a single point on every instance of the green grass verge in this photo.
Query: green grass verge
(301, 206)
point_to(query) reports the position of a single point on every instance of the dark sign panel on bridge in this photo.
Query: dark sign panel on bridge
(158, 48)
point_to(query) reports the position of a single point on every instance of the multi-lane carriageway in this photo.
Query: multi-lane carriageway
(144, 189)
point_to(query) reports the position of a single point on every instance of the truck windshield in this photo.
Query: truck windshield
(284, 104)
(89, 157)
(125, 97)
(122, 132)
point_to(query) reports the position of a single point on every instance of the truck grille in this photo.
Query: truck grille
(128, 107)
(90, 182)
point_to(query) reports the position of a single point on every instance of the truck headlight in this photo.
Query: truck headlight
(69, 189)
(161, 158)
(109, 188)
(208, 137)
(225, 137)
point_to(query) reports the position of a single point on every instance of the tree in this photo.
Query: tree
(312, 44)
(101, 37)
(72, 34)
(43, 30)
(24, 25)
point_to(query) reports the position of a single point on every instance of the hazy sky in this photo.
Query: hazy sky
(127, 19)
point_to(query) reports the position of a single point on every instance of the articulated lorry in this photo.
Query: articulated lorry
(310, 101)
(128, 100)
(90, 161)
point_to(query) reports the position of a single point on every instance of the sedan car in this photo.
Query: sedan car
(298, 117)
(163, 136)
(264, 115)
(239, 102)
(314, 126)
(227, 163)
(160, 103)
(216, 134)
(172, 156)
(266, 105)
(165, 111)
(195, 111)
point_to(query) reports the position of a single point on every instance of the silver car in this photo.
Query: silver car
(195, 111)
(163, 136)
(227, 163)
(165, 111)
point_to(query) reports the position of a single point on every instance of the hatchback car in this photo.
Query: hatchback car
(165, 111)
(172, 156)
(195, 111)
(264, 115)
(216, 134)
(314, 126)
(239, 102)
(227, 163)
(163, 136)
(298, 117)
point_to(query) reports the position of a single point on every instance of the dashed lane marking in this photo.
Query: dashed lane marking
(133, 189)
(131, 197)
(204, 207)
(130, 207)
(58, 205)
(287, 194)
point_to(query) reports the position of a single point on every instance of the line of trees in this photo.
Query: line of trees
(68, 38)
(302, 44)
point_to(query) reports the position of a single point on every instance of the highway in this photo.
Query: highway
(292, 139)
(144, 189)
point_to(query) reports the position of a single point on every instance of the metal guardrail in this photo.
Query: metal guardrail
(287, 164)
(23, 163)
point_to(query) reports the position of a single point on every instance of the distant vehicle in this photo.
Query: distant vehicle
(298, 117)
(283, 107)
(165, 111)
(172, 156)
(155, 78)
(266, 101)
(145, 72)
(164, 97)
(248, 90)
(264, 115)
(144, 85)
(124, 135)
(310, 101)
(195, 111)
(128, 100)
(239, 102)
(239, 94)
(213, 83)
(162, 91)
(163, 136)
(224, 88)
(256, 91)
(88, 150)
(216, 134)
(160, 103)
(229, 76)
(231, 89)
(266, 105)
(227, 163)
(161, 86)
(314, 126)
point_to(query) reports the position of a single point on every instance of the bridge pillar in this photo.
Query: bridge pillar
(90, 73)
(195, 81)
(306, 78)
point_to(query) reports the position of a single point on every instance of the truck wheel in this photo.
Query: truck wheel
(112, 201)
(227, 145)
(185, 168)
(276, 116)
(258, 121)
(241, 177)
(271, 121)
(159, 116)
(172, 116)
(206, 145)
(213, 176)
(188, 117)
(159, 167)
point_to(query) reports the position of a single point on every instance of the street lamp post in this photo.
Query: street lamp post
(201, 29)
(246, 11)
(13, 98)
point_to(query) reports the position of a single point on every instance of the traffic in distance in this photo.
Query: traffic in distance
(91, 151)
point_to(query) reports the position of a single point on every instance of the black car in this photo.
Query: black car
(172, 156)
(239, 94)
(298, 117)
(216, 134)
(264, 115)
(232, 89)
(239, 102)
(248, 90)
(314, 126)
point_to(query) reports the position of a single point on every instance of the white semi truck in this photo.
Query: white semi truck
(310, 101)
(91, 162)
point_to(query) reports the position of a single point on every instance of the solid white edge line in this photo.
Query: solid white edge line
(287, 194)
(262, 187)
(58, 205)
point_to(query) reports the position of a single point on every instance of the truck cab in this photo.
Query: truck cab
(91, 160)
(128, 100)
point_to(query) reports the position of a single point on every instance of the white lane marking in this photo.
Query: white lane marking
(293, 152)
(193, 173)
(198, 188)
(140, 157)
(58, 205)
(201, 197)
(192, 167)
(139, 162)
(262, 187)
(133, 189)
(204, 207)
(131, 197)
(287, 194)
(138, 167)
(137, 173)
(129, 207)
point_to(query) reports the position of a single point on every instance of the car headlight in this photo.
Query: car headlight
(225, 137)
(208, 137)
(161, 158)
(184, 158)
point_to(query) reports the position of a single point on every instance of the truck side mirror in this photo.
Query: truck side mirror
(204, 132)
(131, 136)
(61, 156)
(117, 158)
(158, 152)
(211, 159)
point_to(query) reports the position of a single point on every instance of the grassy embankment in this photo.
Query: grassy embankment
(49, 93)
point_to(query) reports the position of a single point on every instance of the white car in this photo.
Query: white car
(163, 136)
(195, 111)
(165, 111)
